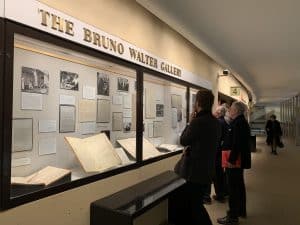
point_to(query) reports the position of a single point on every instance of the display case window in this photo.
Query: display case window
(71, 116)
(164, 113)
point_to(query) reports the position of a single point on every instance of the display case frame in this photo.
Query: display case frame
(7, 31)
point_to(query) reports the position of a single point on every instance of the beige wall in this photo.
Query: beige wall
(129, 21)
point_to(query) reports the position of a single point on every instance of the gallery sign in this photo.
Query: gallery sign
(235, 91)
(42, 17)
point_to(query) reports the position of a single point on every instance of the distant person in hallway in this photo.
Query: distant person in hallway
(239, 151)
(202, 135)
(274, 133)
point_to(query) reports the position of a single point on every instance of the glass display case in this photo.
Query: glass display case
(70, 113)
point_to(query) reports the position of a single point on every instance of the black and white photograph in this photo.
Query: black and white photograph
(34, 80)
(102, 84)
(126, 126)
(69, 80)
(123, 84)
(179, 115)
(159, 110)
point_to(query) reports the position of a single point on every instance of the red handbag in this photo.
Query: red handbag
(225, 158)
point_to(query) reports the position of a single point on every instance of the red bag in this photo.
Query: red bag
(225, 157)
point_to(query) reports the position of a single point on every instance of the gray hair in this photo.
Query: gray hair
(222, 110)
(240, 107)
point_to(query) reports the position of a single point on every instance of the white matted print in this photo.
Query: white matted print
(22, 137)
(117, 121)
(157, 128)
(103, 111)
(34, 80)
(69, 81)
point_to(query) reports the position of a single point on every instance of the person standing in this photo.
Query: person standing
(202, 135)
(274, 133)
(240, 151)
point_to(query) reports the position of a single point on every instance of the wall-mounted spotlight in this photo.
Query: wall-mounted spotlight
(225, 72)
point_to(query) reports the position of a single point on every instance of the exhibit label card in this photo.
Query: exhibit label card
(22, 134)
(47, 126)
(117, 99)
(117, 123)
(20, 162)
(174, 117)
(87, 110)
(127, 101)
(67, 118)
(67, 100)
(88, 128)
(31, 101)
(47, 145)
(89, 92)
(103, 111)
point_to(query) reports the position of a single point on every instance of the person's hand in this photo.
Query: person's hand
(229, 165)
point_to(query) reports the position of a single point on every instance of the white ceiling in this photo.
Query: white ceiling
(259, 40)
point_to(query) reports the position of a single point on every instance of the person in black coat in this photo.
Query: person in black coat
(240, 150)
(274, 133)
(202, 135)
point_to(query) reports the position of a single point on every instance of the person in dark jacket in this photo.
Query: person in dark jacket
(240, 150)
(202, 135)
(274, 133)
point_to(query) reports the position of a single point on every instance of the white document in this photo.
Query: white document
(123, 156)
(67, 118)
(22, 135)
(47, 145)
(89, 92)
(157, 129)
(67, 100)
(150, 130)
(127, 101)
(31, 101)
(174, 117)
(127, 113)
(94, 153)
(150, 104)
(117, 99)
(133, 114)
(149, 149)
(47, 126)
(103, 111)
(117, 123)
(88, 128)
(87, 110)
(20, 162)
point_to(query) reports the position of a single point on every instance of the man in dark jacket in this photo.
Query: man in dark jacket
(240, 150)
(202, 135)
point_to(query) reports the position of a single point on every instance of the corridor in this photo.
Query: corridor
(272, 188)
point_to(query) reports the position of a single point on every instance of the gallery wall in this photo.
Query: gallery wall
(129, 21)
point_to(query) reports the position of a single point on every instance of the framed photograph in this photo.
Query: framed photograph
(67, 118)
(69, 81)
(159, 110)
(117, 121)
(22, 134)
(34, 80)
(102, 84)
(126, 125)
(123, 84)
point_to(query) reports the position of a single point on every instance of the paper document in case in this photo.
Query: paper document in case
(94, 153)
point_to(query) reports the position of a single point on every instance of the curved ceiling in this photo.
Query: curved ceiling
(259, 40)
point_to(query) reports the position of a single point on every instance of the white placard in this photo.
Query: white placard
(20, 162)
(117, 99)
(127, 101)
(88, 128)
(174, 117)
(47, 126)
(89, 92)
(127, 113)
(31, 101)
(47, 145)
(67, 100)
(150, 130)
(22, 134)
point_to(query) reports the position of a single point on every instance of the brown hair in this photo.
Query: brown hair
(205, 99)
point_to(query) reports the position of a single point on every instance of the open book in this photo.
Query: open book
(94, 153)
(43, 177)
(169, 147)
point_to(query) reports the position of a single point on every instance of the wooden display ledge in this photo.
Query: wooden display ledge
(124, 206)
